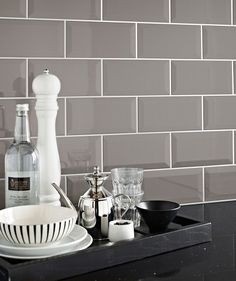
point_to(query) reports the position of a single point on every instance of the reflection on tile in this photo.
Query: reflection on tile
(220, 183)
(219, 112)
(169, 113)
(2, 194)
(78, 77)
(4, 144)
(76, 187)
(136, 10)
(27, 38)
(201, 148)
(130, 77)
(12, 8)
(101, 115)
(12, 78)
(145, 151)
(79, 154)
(168, 41)
(106, 40)
(219, 42)
(183, 186)
(8, 116)
(70, 9)
(201, 77)
(201, 11)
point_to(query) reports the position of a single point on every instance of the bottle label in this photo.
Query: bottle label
(21, 188)
(18, 184)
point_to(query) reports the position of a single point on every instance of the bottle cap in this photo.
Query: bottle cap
(22, 107)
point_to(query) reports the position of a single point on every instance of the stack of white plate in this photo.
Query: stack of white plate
(77, 240)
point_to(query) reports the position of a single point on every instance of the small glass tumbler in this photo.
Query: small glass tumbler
(129, 181)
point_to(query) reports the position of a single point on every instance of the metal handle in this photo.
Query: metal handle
(64, 198)
(129, 204)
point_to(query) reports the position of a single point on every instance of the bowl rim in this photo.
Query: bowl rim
(74, 216)
(166, 201)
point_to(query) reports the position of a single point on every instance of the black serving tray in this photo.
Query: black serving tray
(183, 232)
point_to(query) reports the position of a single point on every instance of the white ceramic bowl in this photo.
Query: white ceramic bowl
(34, 225)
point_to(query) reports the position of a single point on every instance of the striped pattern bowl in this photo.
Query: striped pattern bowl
(34, 225)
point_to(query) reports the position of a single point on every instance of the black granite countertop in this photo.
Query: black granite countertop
(209, 261)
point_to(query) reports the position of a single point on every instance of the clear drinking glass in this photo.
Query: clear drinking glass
(129, 181)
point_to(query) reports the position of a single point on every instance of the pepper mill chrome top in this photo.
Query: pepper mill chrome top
(95, 181)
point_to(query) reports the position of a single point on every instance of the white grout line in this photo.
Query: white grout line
(233, 87)
(202, 109)
(144, 96)
(161, 169)
(117, 21)
(170, 149)
(208, 202)
(170, 77)
(232, 12)
(169, 11)
(201, 42)
(203, 184)
(145, 133)
(102, 153)
(117, 59)
(124, 97)
(26, 8)
(65, 116)
(102, 71)
(26, 78)
(101, 10)
(233, 144)
(64, 38)
(136, 115)
(136, 40)
(140, 133)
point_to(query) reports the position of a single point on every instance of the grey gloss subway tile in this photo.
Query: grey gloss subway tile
(136, 10)
(220, 183)
(201, 148)
(79, 154)
(201, 77)
(101, 115)
(12, 78)
(35, 38)
(219, 112)
(99, 39)
(145, 151)
(201, 11)
(78, 77)
(8, 113)
(169, 114)
(4, 144)
(131, 77)
(70, 9)
(219, 42)
(169, 41)
(183, 186)
(12, 8)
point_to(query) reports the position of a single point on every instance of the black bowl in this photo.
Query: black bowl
(157, 214)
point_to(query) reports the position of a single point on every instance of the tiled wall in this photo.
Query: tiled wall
(145, 83)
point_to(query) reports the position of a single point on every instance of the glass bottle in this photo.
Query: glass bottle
(21, 164)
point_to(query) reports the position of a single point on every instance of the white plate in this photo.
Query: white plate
(73, 240)
(85, 243)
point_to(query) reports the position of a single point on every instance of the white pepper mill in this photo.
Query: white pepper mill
(46, 87)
